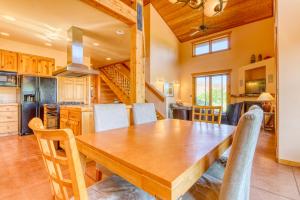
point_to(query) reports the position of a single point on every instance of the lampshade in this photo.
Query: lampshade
(213, 7)
(265, 96)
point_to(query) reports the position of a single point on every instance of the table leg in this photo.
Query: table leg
(83, 162)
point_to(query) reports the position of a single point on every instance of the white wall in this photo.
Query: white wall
(163, 51)
(289, 79)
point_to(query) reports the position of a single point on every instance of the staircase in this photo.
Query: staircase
(117, 78)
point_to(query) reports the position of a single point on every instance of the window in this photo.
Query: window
(216, 44)
(211, 90)
(202, 48)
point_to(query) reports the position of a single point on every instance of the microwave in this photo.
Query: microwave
(8, 79)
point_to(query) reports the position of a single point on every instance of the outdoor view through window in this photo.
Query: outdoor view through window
(211, 90)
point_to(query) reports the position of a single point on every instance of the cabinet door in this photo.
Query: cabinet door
(75, 126)
(63, 123)
(45, 66)
(9, 61)
(68, 89)
(79, 89)
(27, 64)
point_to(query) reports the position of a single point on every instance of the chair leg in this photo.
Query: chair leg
(98, 175)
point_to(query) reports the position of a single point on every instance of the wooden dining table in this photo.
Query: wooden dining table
(164, 158)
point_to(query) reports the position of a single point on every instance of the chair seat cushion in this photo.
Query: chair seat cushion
(209, 185)
(206, 188)
(116, 188)
(224, 158)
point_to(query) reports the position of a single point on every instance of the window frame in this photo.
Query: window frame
(212, 73)
(209, 41)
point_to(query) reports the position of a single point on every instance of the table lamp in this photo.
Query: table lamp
(266, 99)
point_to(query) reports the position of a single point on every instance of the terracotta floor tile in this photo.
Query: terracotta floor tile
(258, 194)
(268, 174)
(296, 171)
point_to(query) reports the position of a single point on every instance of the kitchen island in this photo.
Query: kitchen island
(80, 118)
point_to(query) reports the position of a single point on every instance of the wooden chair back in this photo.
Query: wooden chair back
(54, 162)
(207, 114)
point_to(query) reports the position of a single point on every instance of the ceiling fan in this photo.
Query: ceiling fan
(203, 28)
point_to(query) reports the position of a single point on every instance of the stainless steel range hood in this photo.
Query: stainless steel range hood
(75, 67)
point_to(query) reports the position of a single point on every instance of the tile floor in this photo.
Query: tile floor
(22, 174)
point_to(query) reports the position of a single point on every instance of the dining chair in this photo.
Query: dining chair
(144, 113)
(108, 117)
(235, 184)
(208, 114)
(111, 188)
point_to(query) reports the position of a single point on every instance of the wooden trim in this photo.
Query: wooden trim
(213, 37)
(155, 92)
(209, 73)
(289, 163)
(212, 73)
(116, 9)
(209, 40)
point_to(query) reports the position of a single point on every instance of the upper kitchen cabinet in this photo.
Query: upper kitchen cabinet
(45, 66)
(35, 65)
(9, 61)
(27, 64)
(72, 89)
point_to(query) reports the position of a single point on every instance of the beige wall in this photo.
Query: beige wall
(289, 80)
(255, 38)
(163, 51)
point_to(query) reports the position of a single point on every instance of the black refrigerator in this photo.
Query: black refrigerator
(35, 92)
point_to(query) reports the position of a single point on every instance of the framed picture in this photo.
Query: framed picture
(169, 89)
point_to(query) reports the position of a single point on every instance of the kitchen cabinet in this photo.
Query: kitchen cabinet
(72, 89)
(8, 119)
(45, 66)
(27, 64)
(35, 65)
(80, 119)
(9, 61)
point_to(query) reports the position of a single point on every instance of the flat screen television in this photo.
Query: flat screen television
(255, 87)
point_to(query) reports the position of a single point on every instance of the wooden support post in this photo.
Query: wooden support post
(137, 64)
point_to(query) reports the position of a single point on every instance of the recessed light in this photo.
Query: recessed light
(108, 58)
(48, 44)
(96, 44)
(5, 34)
(9, 18)
(120, 32)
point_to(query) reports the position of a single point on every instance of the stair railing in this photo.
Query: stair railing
(120, 79)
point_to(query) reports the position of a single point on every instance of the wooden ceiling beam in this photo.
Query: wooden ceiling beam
(115, 8)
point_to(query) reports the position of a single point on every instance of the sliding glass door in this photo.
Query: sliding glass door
(212, 90)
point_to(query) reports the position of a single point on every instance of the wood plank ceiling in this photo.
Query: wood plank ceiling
(181, 20)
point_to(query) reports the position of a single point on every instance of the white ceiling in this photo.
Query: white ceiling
(47, 21)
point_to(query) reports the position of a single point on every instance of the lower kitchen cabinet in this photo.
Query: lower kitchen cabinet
(80, 119)
(8, 119)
